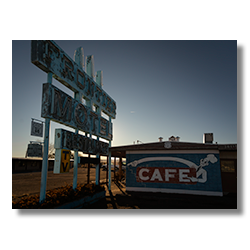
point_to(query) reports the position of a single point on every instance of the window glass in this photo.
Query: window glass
(227, 166)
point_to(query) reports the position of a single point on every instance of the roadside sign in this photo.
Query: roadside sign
(62, 108)
(36, 129)
(35, 150)
(49, 57)
(65, 139)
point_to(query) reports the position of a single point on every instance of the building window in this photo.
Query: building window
(21, 164)
(228, 166)
(34, 164)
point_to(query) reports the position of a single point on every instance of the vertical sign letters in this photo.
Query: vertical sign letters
(65, 160)
(62, 161)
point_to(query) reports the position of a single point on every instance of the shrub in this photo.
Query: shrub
(58, 196)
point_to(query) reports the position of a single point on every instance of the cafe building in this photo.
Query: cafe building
(180, 167)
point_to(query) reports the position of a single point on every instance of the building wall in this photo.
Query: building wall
(20, 165)
(174, 171)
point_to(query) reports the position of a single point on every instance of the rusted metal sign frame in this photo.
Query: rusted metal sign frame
(49, 57)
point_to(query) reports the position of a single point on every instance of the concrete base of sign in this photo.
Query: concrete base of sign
(83, 202)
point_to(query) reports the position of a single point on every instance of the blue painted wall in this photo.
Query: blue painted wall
(206, 163)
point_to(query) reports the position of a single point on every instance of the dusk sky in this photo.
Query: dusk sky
(161, 88)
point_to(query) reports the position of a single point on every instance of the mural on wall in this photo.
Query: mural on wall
(174, 172)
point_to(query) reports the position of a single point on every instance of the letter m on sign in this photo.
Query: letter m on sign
(65, 161)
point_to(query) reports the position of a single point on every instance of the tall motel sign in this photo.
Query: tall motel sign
(62, 108)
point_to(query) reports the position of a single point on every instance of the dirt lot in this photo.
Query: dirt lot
(29, 183)
(24, 184)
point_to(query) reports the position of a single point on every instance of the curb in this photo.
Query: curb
(83, 202)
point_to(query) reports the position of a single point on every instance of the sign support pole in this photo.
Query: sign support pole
(109, 161)
(75, 166)
(97, 170)
(97, 178)
(45, 153)
(77, 97)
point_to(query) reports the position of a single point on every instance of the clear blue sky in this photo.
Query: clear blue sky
(161, 88)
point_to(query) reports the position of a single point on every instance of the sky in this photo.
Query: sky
(162, 88)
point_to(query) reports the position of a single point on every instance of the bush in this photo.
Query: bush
(57, 197)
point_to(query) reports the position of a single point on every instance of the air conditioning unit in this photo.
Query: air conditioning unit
(208, 138)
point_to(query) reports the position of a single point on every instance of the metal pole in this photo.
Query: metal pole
(97, 170)
(109, 161)
(75, 166)
(77, 97)
(88, 177)
(109, 167)
(107, 172)
(78, 58)
(114, 167)
(45, 153)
